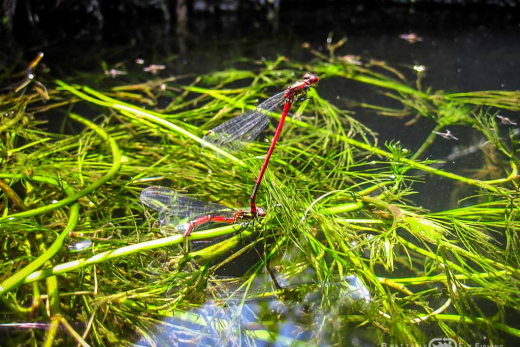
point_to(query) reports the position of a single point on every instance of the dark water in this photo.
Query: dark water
(463, 49)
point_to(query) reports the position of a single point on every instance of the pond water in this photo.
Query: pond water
(457, 50)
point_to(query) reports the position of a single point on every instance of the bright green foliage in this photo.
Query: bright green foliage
(340, 209)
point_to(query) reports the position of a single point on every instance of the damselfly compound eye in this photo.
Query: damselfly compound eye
(312, 78)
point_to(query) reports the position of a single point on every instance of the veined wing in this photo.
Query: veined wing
(173, 207)
(234, 134)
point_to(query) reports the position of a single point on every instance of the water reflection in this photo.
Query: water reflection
(241, 312)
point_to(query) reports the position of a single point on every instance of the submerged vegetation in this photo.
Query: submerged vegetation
(344, 254)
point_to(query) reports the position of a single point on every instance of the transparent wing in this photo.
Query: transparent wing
(237, 132)
(173, 207)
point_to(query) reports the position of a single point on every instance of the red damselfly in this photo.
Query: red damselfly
(186, 213)
(234, 133)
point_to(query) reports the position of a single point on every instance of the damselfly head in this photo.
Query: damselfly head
(311, 78)
(260, 212)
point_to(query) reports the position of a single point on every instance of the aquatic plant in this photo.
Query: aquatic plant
(344, 252)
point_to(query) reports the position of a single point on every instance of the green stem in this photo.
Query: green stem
(386, 84)
(367, 147)
(429, 141)
(457, 319)
(18, 278)
(422, 167)
(53, 295)
(478, 259)
(137, 248)
(150, 115)
(357, 205)
(394, 211)
(13, 306)
(116, 165)
(50, 336)
(439, 278)
(454, 266)
(220, 249)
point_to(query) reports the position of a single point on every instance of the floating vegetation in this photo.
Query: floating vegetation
(344, 252)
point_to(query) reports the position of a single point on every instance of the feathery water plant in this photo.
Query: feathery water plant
(344, 250)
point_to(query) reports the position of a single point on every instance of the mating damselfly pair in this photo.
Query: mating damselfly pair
(187, 213)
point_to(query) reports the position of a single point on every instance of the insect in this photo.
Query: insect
(246, 127)
(186, 213)
(506, 120)
(447, 135)
(411, 37)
